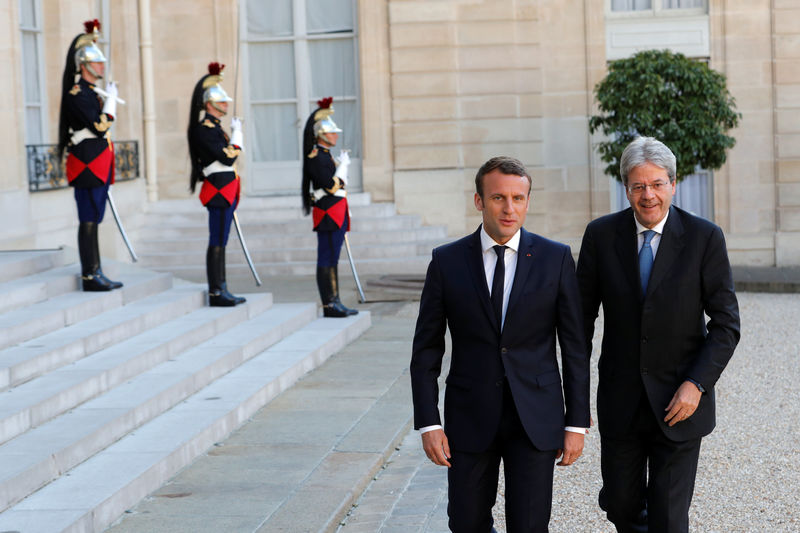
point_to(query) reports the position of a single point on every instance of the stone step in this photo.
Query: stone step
(99, 490)
(373, 224)
(18, 264)
(42, 454)
(261, 255)
(249, 214)
(70, 308)
(38, 287)
(307, 239)
(153, 337)
(192, 204)
(66, 345)
(395, 265)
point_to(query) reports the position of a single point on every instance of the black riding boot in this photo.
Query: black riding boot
(328, 284)
(114, 284)
(218, 295)
(92, 278)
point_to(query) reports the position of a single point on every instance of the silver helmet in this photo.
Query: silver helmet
(212, 90)
(86, 49)
(325, 125)
(216, 93)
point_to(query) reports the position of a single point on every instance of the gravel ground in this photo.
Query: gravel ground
(748, 479)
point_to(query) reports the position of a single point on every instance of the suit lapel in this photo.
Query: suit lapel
(525, 257)
(625, 245)
(668, 249)
(474, 260)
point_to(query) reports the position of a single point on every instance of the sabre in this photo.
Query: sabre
(244, 249)
(120, 226)
(362, 298)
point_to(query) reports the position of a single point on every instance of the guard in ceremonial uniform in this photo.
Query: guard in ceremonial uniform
(84, 131)
(324, 181)
(213, 154)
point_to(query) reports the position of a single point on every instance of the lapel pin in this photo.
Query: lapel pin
(527, 255)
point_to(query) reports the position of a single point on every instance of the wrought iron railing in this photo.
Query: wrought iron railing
(46, 169)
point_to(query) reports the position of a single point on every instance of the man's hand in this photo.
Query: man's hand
(683, 403)
(436, 447)
(573, 448)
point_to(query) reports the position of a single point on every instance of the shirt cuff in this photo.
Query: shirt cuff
(573, 429)
(429, 428)
(696, 384)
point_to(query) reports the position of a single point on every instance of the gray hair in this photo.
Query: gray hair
(643, 150)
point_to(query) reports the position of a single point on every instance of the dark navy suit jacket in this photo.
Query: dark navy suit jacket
(652, 343)
(544, 305)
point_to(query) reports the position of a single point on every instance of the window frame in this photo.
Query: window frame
(303, 100)
(657, 10)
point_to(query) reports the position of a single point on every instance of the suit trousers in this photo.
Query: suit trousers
(472, 480)
(648, 480)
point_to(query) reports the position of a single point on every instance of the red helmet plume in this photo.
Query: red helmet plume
(325, 103)
(215, 68)
(91, 25)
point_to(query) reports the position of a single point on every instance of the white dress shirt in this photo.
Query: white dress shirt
(489, 264)
(656, 240)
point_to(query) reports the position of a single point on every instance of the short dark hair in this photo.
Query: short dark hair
(506, 165)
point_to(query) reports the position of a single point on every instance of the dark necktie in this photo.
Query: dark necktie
(646, 260)
(497, 284)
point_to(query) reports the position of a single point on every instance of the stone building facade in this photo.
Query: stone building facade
(436, 87)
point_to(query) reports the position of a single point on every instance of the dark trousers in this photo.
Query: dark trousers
(219, 224)
(329, 246)
(472, 480)
(91, 203)
(644, 469)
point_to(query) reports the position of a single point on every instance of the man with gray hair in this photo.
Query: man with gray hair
(656, 270)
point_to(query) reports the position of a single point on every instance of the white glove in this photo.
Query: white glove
(237, 137)
(110, 105)
(344, 163)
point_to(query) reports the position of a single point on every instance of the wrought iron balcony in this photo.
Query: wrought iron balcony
(46, 169)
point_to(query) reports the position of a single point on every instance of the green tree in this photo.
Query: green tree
(661, 94)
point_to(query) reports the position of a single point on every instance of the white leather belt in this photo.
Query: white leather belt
(319, 193)
(81, 135)
(215, 167)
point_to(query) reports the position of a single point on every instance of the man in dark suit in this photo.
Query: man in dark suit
(656, 270)
(506, 295)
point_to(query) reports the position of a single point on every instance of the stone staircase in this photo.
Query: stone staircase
(105, 396)
(280, 239)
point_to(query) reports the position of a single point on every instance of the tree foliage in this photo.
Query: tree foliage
(661, 94)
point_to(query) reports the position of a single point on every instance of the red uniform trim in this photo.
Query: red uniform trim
(336, 212)
(101, 166)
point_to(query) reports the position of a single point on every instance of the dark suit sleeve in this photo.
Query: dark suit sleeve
(722, 308)
(588, 285)
(574, 363)
(428, 349)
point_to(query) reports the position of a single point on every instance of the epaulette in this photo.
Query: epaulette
(208, 124)
(313, 153)
(75, 89)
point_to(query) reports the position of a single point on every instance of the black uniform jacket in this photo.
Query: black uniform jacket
(543, 306)
(219, 189)
(90, 162)
(330, 211)
(653, 343)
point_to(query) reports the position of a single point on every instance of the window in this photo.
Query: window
(298, 51)
(656, 7)
(32, 71)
